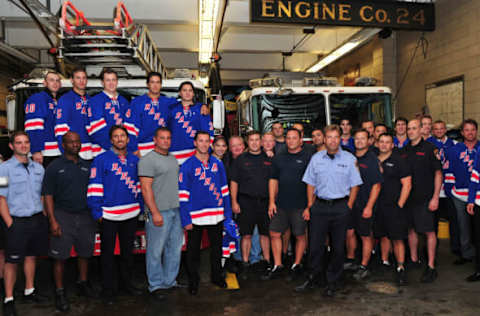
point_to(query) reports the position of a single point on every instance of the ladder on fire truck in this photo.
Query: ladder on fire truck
(122, 45)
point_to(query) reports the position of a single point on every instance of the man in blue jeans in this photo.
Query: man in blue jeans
(158, 172)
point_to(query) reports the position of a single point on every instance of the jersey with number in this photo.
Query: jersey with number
(72, 115)
(114, 188)
(203, 192)
(40, 111)
(104, 112)
(184, 124)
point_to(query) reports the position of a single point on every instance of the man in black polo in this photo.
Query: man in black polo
(249, 191)
(391, 224)
(423, 200)
(288, 200)
(361, 216)
(65, 190)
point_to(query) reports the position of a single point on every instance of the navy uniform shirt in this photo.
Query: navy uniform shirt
(67, 182)
(252, 173)
(288, 169)
(369, 167)
(394, 169)
(332, 178)
(423, 163)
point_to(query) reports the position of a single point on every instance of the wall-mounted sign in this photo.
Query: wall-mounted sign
(392, 14)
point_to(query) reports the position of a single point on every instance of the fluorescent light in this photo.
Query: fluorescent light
(356, 40)
(207, 13)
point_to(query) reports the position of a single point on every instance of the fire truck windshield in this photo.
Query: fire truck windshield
(308, 109)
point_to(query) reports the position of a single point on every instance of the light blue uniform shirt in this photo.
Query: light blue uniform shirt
(24, 189)
(332, 178)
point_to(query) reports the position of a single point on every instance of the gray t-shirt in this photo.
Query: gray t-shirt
(164, 171)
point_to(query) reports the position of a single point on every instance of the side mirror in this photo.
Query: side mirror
(218, 114)
(11, 113)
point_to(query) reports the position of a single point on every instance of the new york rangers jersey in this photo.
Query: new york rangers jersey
(398, 144)
(458, 168)
(72, 115)
(105, 111)
(184, 124)
(348, 144)
(40, 111)
(150, 114)
(474, 185)
(114, 189)
(442, 146)
(203, 192)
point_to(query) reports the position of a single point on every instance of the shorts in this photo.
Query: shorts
(420, 218)
(284, 219)
(363, 226)
(253, 211)
(78, 230)
(391, 221)
(27, 236)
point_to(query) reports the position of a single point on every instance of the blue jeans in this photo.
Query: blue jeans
(164, 249)
(255, 251)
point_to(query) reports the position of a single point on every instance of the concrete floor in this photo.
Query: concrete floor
(449, 295)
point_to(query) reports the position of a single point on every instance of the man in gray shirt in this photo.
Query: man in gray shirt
(158, 172)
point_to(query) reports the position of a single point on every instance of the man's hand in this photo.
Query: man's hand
(470, 207)
(137, 153)
(269, 153)
(38, 157)
(272, 209)
(367, 212)
(433, 205)
(235, 207)
(306, 214)
(205, 110)
(55, 228)
(350, 205)
(400, 205)
(157, 219)
(9, 222)
(188, 227)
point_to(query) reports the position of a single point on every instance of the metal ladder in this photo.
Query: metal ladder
(124, 46)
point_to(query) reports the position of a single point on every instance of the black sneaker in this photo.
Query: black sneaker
(9, 309)
(474, 277)
(244, 271)
(272, 273)
(429, 275)
(295, 272)
(84, 288)
(415, 264)
(350, 265)
(361, 273)
(401, 277)
(35, 297)
(61, 302)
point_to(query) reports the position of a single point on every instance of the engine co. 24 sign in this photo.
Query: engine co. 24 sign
(392, 14)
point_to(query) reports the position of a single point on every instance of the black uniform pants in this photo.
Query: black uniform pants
(126, 235)
(194, 239)
(328, 219)
(476, 237)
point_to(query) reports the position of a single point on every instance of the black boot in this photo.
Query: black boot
(309, 284)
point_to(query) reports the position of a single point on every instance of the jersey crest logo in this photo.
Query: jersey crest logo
(93, 173)
(108, 106)
(197, 172)
(114, 166)
(214, 167)
(78, 105)
(129, 113)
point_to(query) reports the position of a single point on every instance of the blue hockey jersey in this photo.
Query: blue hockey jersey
(348, 145)
(184, 124)
(114, 188)
(40, 111)
(458, 167)
(442, 146)
(397, 143)
(72, 115)
(474, 185)
(104, 111)
(150, 114)
(203, 192)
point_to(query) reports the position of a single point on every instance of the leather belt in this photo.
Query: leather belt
(332, 201)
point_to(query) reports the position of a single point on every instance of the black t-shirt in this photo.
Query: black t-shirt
(67, 182)
(252, 173)
(279, 147)
(423, 164)
(288, 169)
(369, 167)
(394, 169)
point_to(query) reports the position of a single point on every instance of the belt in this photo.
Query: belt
(332, 201)
(26, 218)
